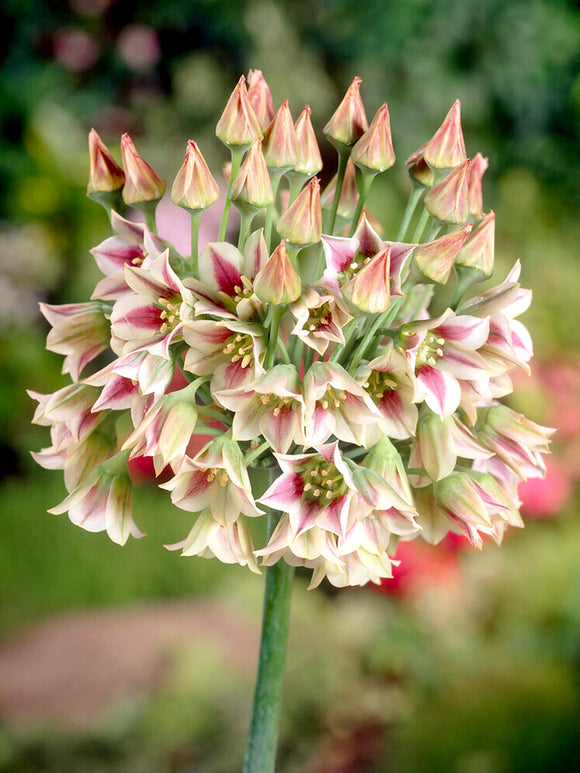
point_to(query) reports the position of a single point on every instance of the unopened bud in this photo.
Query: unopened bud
(476, 171)
(419, 169)
(142, 184)
(348, 195)
(302, 221)
(194, 187)
(260, 97)
(309, 158)
(374, 150)
(280, 146)
(238, 126)
(105, 175)
(448, 201)
(370, 288)
(478, 249)
(252, 187)
(349, 121)
(278, 281)
(435, 259)
(446, 149)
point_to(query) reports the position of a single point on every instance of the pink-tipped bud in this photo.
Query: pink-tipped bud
(374, 150)
(105, 175)
(449, 200)
(278, 281)
(446, 149)
(435, 259)
(238, 126)
(476, 171)
(142, 184)
(419, 169)
(302, 221)
(349, 121)
(194, 187)
(252, 187)
(478, 249)
(260, 97)
(280, 146)
(370, 288)
(309, 158)
(348, 195)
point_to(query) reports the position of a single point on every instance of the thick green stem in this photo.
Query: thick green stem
(195, 223)
(421, 225)
(264, 725)
(237, 155)
(412, 202)
(275, 182)
(245, 226)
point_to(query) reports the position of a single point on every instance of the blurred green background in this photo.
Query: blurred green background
(468, 663)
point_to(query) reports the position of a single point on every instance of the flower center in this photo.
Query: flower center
(319, 316)
(358, 261)
(323, 483)
(243, 292)
(430, 349)
(138, 259)
(378, 383)
(170, 313)
(278, 403)
(219, 473)
(240, 347)
(332, 398)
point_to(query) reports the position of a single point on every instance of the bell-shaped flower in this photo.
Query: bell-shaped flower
(252, 188)
(280, 146)
(373, 152)
(478, 250)
(260, 97)
(165, 431)
(436, 259)
(72, 405)
(444, 351)
(475, 174)
(448, 201)
(238, 126)
(370, 288)
(446, 149)
(142, 184)
(151, 317)
(104, 502)
(389, 381)
(302, 221)
(105, 175)
(349, 195)
(516, 440)
(150, 372)
(336, 405)
(309, 160)
(439, 442)
(471, 507)
(229, 351)
(194, 187)
(278, 282)
(319, 319)
(349, 121)
(117, 392)
(271, 406)
(345, 256)
(230, 543)
(80, 331)
(226, 285)
(132, 245)
(215, 480)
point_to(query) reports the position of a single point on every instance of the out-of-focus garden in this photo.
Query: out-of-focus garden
(466, 662)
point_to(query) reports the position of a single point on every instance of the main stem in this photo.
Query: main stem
(263, 735)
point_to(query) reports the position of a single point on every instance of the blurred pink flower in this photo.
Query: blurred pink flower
(139, 47)
(546, 497)
(76, 50)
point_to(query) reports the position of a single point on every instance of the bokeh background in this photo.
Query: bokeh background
(132, 659)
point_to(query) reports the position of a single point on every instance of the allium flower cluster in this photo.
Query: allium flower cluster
(309, 351)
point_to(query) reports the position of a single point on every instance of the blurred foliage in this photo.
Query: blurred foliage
(482, 678)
